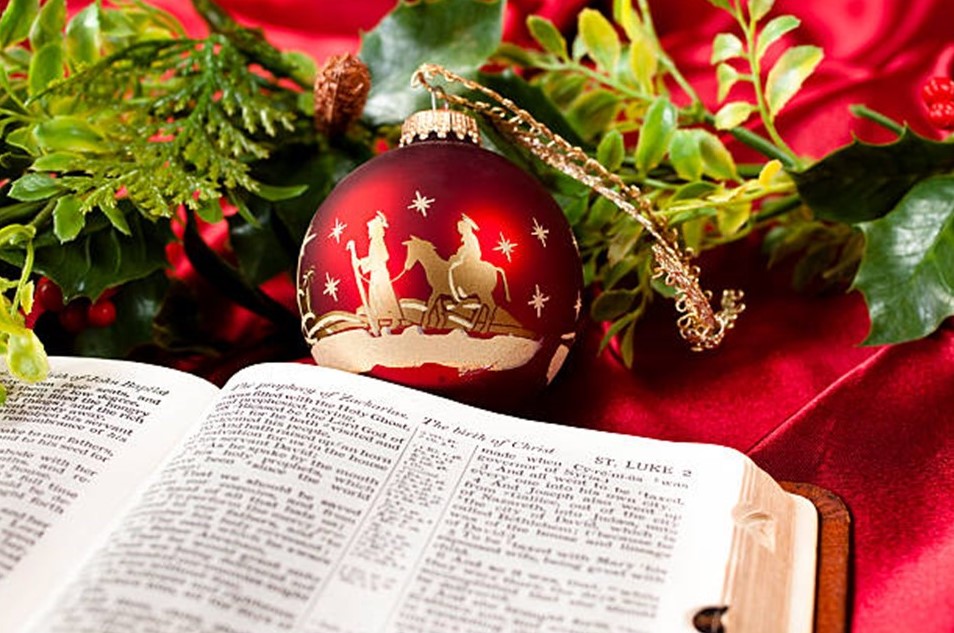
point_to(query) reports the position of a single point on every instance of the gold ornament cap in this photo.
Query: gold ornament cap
(440, 124)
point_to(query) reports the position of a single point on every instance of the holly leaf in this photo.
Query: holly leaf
(862, 182)
(99, 257)
(137, 305)
(905, 271)
(457, 34)
(270, 245)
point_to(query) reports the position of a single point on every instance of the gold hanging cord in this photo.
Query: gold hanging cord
(698, 324)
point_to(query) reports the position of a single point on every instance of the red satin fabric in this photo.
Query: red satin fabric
(790, 386)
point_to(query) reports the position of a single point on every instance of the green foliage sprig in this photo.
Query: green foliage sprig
(611, 83)
(610, 88)
(114, 126)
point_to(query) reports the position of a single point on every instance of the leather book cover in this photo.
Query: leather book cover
(832, 572)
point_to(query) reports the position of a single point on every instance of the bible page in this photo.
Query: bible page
(73, 449)
(316, 501)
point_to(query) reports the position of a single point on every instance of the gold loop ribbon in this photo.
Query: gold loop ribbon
(698, 323)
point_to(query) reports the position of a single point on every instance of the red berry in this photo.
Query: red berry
(102, 313)
(938, 90)
(74, 316)
(48, 295)
(941, 115)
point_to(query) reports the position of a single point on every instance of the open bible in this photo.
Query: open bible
(135, 498)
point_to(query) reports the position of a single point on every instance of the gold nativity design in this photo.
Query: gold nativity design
(459, 324)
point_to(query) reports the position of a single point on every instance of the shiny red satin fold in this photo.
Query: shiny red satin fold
(790, 385)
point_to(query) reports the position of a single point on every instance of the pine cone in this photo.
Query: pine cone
(341, 90)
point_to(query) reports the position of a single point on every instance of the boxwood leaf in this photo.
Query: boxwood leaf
(16, 21)
(905, 272)
(600, 39)
(787, 75)
(69, 134)
(686, 155)
(717, 161)
(547, 36)
(760, 8)
(46, 66)
(117, 218)
(49, 24)
(626, 17)
(593, 112)
(656, 133)
(643, 61)
(57, 161)
(68, 218)
(274, 193)
(25, 356)
(457, 34)
(511, 54)
(774, 30)
(726, 76)
(862, 182)
(726, 46)
(730, 218)
(34, 187)
(733, 114)
(84, 39)
(564, 89)
(611, 150)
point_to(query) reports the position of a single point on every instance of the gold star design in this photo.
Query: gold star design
(421, 203)
(505, 246)
(578, 305)
(538, 301)
(337, 231)
(331, 286)
(539, 232)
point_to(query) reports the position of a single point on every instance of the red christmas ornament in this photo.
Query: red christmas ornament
(442, 266)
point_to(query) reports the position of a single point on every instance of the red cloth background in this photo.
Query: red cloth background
(790, 387)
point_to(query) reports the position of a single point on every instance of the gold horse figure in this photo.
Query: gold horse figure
(471, 279)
